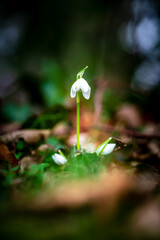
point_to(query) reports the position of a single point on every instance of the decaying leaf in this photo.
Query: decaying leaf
(29, 136)
(7, 156)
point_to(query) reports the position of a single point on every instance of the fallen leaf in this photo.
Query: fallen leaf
(7, 156)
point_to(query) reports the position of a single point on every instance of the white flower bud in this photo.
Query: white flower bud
(107, 150)
(59, 159)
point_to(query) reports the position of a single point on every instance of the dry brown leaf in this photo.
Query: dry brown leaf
(61, 129)
(29, 136)
(26, 162)
(7, 156)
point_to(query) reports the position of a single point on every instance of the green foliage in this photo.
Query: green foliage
(53, 141)
(52, 93)
(79, 166)
(14, 169)
(22, 149)
(84, 165)
(34, 176)
(48, 118)
(52, 88)
(7, 175)
(16, 112)
(37, 169)
(20, 145)
(111, 102)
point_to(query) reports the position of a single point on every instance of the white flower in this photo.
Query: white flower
(59, 159)
(107, 150)
(81, 84)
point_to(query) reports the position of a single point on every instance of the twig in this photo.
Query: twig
(130, 133)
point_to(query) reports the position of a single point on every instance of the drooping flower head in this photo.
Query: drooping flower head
(81, 85)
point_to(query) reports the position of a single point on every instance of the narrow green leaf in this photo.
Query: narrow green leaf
(80, 73)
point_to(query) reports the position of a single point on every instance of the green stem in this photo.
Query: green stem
(78, 113)
(60, 152)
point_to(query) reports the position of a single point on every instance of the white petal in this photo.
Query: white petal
(87, 94)
(107, 150)
(75, 87)
(83, 85)
(58, 159)
(72, 93)
(73, 90)
(78, 85)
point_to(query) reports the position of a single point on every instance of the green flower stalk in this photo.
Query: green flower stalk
(78, 115)
(80, 85)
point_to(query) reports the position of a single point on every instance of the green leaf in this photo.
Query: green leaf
(15, 169)
(18, 155)
(80, 73)
(55, 143)
(20, 145)
(36, 169)
(84, 165)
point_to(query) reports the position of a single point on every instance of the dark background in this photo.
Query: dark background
(44, 44)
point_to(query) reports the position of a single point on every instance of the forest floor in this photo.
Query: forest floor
(91, 197)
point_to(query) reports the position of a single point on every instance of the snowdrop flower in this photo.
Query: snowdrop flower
(81, 84)
(105, 148)
(59, 159)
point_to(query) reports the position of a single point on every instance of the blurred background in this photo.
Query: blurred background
(44, 44)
